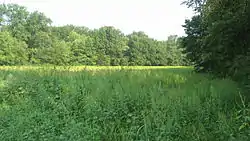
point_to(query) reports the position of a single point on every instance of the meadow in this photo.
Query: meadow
(119, 104)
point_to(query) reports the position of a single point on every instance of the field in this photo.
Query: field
(118, 103)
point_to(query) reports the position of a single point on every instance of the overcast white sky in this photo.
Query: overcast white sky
(157, 18)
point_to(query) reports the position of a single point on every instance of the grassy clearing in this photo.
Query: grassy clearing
(139, 103)
(84, 68)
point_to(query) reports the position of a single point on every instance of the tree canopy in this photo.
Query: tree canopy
(217, 38)
(31, 38)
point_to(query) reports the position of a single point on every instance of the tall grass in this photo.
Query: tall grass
(161, 104)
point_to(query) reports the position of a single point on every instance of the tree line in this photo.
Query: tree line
(29, 38)
(218, 36)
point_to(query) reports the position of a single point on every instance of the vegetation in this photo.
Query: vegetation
(28, 38)
(217, 38)
(73, 101)
(118, 104)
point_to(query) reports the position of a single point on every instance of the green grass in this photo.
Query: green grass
(164, 104)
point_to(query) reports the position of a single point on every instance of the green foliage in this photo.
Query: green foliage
(110, 44)
(58, 54)
(192, 42)
(82, 46)
(82, 49)
(139, 48)
(157, 104)
(13, 17)
(218, 39)
(62, 32)
(38, 27)
(12, 51)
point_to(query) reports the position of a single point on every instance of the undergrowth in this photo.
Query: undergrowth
(140, 105)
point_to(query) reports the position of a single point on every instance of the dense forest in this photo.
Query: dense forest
(29, 38)
(218, 36)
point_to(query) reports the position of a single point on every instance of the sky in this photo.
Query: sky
(157, 18)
